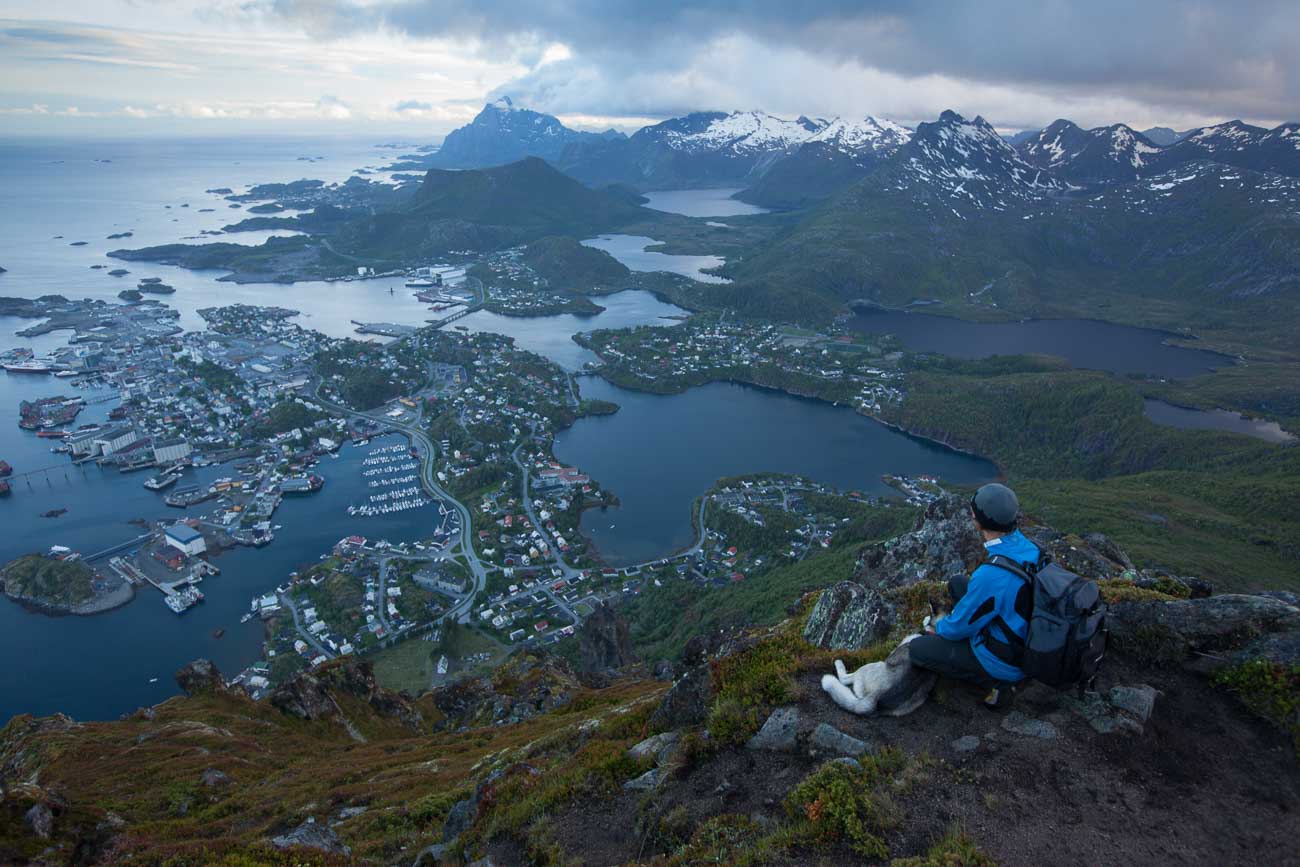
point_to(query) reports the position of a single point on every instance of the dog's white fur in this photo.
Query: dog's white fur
(860, 691)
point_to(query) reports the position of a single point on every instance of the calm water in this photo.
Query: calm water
(658, 453)
(1216, 419)
(631, 251)
(1084, 343)
(552, 336)
(702, 203)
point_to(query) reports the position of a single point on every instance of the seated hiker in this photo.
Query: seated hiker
(981, 641)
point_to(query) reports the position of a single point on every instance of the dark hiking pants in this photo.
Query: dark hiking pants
(947, 658)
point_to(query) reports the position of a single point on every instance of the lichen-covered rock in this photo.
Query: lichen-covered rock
(200, 676)
(780, 733)
(686, 703)
(1138, 700)
(849, 616)
(40, 821)
(1019, 724)
(825, 738)
(943, 542)
(1217, 624)
(658, 747)
(213, 778)
(527, 685)
(313, 695)
(603, 642)
(312, 835)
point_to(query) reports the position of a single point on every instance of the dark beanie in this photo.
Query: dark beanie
(995, 507)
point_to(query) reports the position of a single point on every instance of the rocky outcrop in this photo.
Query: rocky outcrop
(943, 542)
(603, 642)
(1218, 630)
(315, 694)
(199, 677)
(849, 616)
(312, 835)
(527, 685)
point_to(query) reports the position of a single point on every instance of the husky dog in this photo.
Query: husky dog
(893, 687)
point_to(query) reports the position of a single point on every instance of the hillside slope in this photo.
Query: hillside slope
(537, 764)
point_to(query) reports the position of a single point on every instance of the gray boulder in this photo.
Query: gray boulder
(1138, 701)
(1019, 724)
(312, 835)
(646, 782)
(40, 820)
(966, 744)
(779, 734)
(828, 739)
(848, 616)
(659, 747)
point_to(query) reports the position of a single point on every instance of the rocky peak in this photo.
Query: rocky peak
(316, 694)
(971, 166)
(604, 644)
(200, 676)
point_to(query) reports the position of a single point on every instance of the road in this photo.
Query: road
(425, 453)
(287, 601)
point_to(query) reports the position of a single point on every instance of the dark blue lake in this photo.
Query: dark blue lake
(1085, 343)
(658, 453)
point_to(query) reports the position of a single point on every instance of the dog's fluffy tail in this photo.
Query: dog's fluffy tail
(844, 697)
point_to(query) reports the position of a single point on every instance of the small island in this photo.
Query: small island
(61, 583)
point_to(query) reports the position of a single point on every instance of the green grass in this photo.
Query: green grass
(408, 665)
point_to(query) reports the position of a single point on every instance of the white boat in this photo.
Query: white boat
(32, 366)
(420, 283)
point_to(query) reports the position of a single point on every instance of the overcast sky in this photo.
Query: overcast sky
(419, 68)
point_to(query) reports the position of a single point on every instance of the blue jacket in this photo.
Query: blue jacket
(990, 601)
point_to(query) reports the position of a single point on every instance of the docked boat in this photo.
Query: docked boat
(32, 366)
(297, 485)
(4, 488)
(5, 469)
(51, 434)
(162, 481)
(420, 283)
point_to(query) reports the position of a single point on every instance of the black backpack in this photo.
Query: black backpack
(1066, 639)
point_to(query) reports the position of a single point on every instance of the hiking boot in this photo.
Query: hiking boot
(1000, 697)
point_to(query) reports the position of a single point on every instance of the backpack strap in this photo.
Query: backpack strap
(1004, 562)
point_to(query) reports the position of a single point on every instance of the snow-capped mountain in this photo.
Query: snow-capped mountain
(880, 137)
(1085, 156)
(839, 155)
(971, 165)
(504, 133)
(1240, 144)
(712, 148)
(741, 132)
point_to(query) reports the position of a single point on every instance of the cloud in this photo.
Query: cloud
(1202, 58)
(413, 105)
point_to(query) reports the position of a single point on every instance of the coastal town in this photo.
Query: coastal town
(227, 422)
(843, 368)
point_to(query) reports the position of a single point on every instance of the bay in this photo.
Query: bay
(658, 453)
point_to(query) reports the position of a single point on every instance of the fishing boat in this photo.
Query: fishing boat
(5, 469)
(4, 488)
